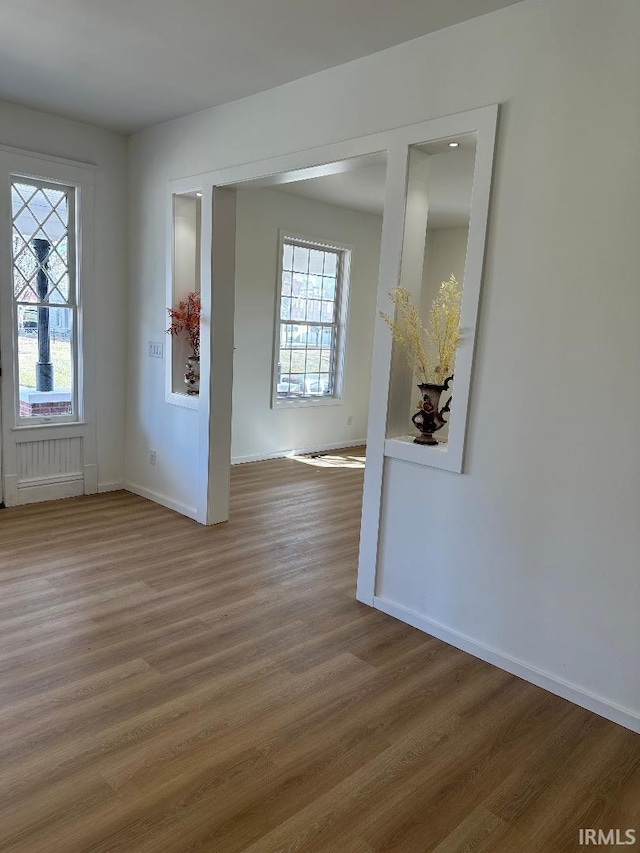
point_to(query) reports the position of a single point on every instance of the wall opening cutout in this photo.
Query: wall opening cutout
(426, 415)
(185, 280)
(307, 264)
(423, 401)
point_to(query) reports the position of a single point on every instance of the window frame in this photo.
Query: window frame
(72, 304)
(20, 484)
(343, 278)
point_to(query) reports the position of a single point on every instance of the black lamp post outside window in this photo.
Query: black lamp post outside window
(44, 367)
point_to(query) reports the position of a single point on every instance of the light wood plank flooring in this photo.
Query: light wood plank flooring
(169, 687)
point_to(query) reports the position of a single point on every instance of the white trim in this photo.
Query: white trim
(90, 473)
(27, 395)
(313, 162)
(344, 252)
(177, 188)
(301, 402)
(285, 454)
(482, 122)
(49, 158)
(216, 371)
(41, 489)
(37, 167)
(432, 455)
(565, 689)
(10, 489)
(111, 487)
(185, 401)
(50, 480)
(389, 274)
(71, 191)
(217, 325)
(37, 432)
(163, 500)
(471, 286)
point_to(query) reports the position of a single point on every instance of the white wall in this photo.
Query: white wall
(258, 430)
(152, 423)
(35, 131)
(445, 253)
(544, 540)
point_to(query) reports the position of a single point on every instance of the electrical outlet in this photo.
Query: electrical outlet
(152, 457)
(155, 349)
(350, 420)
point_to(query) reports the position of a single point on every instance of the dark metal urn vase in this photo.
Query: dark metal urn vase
(428, 419)
(192, 374)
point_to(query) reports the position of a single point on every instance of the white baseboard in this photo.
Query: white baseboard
(38, 489)
(10, 490)
(603, 707)
(110, 487)
(183, 509)
(284, 454)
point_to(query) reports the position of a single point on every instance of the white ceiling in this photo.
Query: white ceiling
(358, 184)
(129, 64)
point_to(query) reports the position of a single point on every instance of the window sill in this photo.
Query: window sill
(433, 456)
(301, 402)
(40, 424)
(185, 401)
(65, 429)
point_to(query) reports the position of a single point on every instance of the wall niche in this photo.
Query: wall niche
(184, 278)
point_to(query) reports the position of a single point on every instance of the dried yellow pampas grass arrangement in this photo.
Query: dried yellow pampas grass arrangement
(430, 351)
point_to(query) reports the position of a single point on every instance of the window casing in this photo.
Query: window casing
(44, 290)
(313, 279)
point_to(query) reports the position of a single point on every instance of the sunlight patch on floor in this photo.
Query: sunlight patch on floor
(332, 460)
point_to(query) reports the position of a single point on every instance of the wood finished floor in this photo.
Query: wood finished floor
(169, 687)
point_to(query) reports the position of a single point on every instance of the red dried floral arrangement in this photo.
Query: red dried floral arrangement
(186, 318)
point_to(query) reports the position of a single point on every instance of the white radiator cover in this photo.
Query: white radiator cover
(49, 468)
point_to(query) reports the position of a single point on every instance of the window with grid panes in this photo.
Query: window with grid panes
(309, 333)
(43, 264)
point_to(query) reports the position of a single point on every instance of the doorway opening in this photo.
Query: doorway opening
(307, 256)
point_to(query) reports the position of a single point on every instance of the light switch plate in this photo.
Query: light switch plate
(156, 349)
